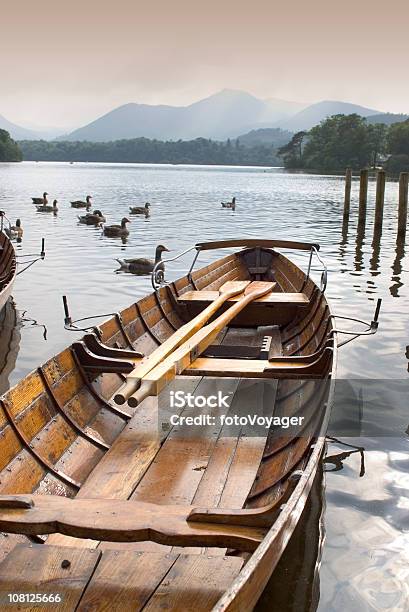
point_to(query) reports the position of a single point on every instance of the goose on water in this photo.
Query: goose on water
(14, 231)
(143, 265)
(81, 203)
(231, 204)
(140, 210)
(47, 208)
(42, 200)
(117, 230)
(92, 218)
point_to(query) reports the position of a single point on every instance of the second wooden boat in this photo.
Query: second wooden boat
(8, 268)
(109, 501)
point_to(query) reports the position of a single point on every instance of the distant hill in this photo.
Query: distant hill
(225, 114)
(274, 137)
(19, 132)
(388, 118)
(16, 131)
(315, 113)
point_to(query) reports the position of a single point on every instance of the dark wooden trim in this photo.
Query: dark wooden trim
(96, 395)
(255, 242)
(96, 363)
(102, 350)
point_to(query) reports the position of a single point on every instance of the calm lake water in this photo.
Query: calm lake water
(361, 541)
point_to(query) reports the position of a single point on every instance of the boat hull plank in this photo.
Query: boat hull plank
(125, 581)
(48, 570)
(119, 580)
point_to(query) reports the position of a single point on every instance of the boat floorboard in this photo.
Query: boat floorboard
(90, 580)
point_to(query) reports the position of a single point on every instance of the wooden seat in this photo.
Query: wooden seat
(120, 521)
(279, 298)
(302, 367)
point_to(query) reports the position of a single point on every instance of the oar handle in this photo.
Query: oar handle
(131, 385)
(146, 389)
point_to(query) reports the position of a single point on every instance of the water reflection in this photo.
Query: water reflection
(397, 268)
(10, 325)
(374, 263)
(343, 244)
(359, 252)
(337, 460)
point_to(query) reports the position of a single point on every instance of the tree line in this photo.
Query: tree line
(337, 142)
(344, 141)
(144, 150)
(9, 149)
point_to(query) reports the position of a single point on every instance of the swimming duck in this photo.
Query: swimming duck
(46, 208)
(117, 230)
(231, 204)
(140, 210)
(81, 203)
(143, 265)
(42, 200)
(92, 218)
(14, 231)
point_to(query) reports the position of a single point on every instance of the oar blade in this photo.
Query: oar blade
(234, 286)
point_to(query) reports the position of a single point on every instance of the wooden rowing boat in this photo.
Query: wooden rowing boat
(8, 268)
(108, 504)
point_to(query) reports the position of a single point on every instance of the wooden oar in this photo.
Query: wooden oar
(227, 291)
(179, 360)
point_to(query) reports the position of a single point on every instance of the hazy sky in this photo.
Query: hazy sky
(64, 63)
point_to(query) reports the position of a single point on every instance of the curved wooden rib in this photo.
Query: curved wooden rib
(154, 337)
(29, 448)
(164, 315)
(121, 521)
(122, 329)
(79, 430)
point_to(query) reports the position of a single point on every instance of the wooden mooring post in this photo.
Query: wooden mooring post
(363, 196)
(403, 204)
(347, 198)
(380, 199)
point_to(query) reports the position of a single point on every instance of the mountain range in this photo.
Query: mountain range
(226, 114)
(19, 132)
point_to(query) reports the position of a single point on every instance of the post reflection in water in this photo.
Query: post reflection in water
(359, 253)
(397, 267)
(376, 252)
(343, 244)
